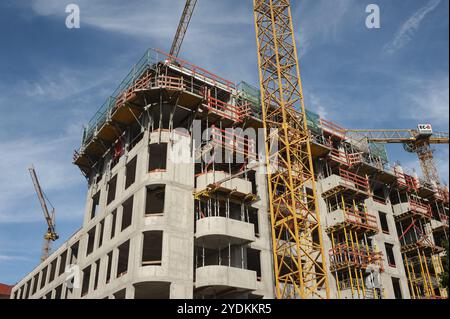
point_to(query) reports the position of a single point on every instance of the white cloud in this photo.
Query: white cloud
(407, 31)
(63, 83)
(429, 100)
(52, 159)
(14, 258)
(320, 21)
(150, 18)
(315, 103)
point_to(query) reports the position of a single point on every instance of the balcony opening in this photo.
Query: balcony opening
(95, 205)
(136, 135)
(97, 272)
(100, 233)
(390, 255)
(113, 224)
(379, 194)
(74, 253)
(122, 264)
(131, 173)
(154, 204)
(98, 171)
(120, 294)
(127, 213)
(86, 279)
(91, 241)
(254, 261)
(236, 211)
(109, 267)
(112, 186)
(43, 277)
(48, 295)
(231, 256)
(28, 294)
(158, 157)
(52, 270)
(152, 248)
(62, 264)
(254, 219)
(58, 292)
(397, 288)
(252, 178)
(152, 290)
(35, 284)
(315, 236)
(384, 223)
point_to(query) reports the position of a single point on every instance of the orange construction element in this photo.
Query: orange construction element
(233, 142)
(343, 256)
(225, 110)
(361, 183)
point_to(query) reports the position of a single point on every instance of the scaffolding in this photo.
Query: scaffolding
(421, 255)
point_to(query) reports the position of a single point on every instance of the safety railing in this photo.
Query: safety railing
(359, 256)
(232, 112)
(233, 142)
(194, 69)
(444, 219)
(420, 208)
(360, 183)
(339, 156)
(360, 218)
(333, 128)
(139, 77)
(406, 181)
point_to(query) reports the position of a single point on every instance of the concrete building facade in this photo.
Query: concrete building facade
(172, 212)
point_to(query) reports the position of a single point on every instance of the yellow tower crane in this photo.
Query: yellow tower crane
(298, 253)
(299, 260)
(182, 27)
(51, 235)
(417, 141)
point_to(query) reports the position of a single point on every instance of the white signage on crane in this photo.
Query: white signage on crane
(425, 129)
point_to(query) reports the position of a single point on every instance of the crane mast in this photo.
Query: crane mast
(182, 27)
(51, 234)
(299, 260)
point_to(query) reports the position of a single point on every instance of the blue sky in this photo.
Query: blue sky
(53, 79)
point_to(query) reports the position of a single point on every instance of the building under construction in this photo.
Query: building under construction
(173, 213)
(201, 188)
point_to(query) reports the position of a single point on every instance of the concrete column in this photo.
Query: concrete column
(129, 294)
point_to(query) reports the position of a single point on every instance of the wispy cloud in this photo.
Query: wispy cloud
(321, 21)
(51, 156)
(407, 31)
(429, 100)
(6, 258)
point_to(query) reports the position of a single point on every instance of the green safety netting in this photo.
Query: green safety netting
(253, 95)
(379, 150)
(313, 121)
(250, 93)
(148, 60)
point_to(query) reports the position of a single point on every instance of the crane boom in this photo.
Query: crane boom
(414, 141)
(398, 136)
(182, 27)
(299, 260)
(51, 234)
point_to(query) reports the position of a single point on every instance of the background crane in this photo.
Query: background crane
(417, 141)
(51, 234)
(182, 27)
